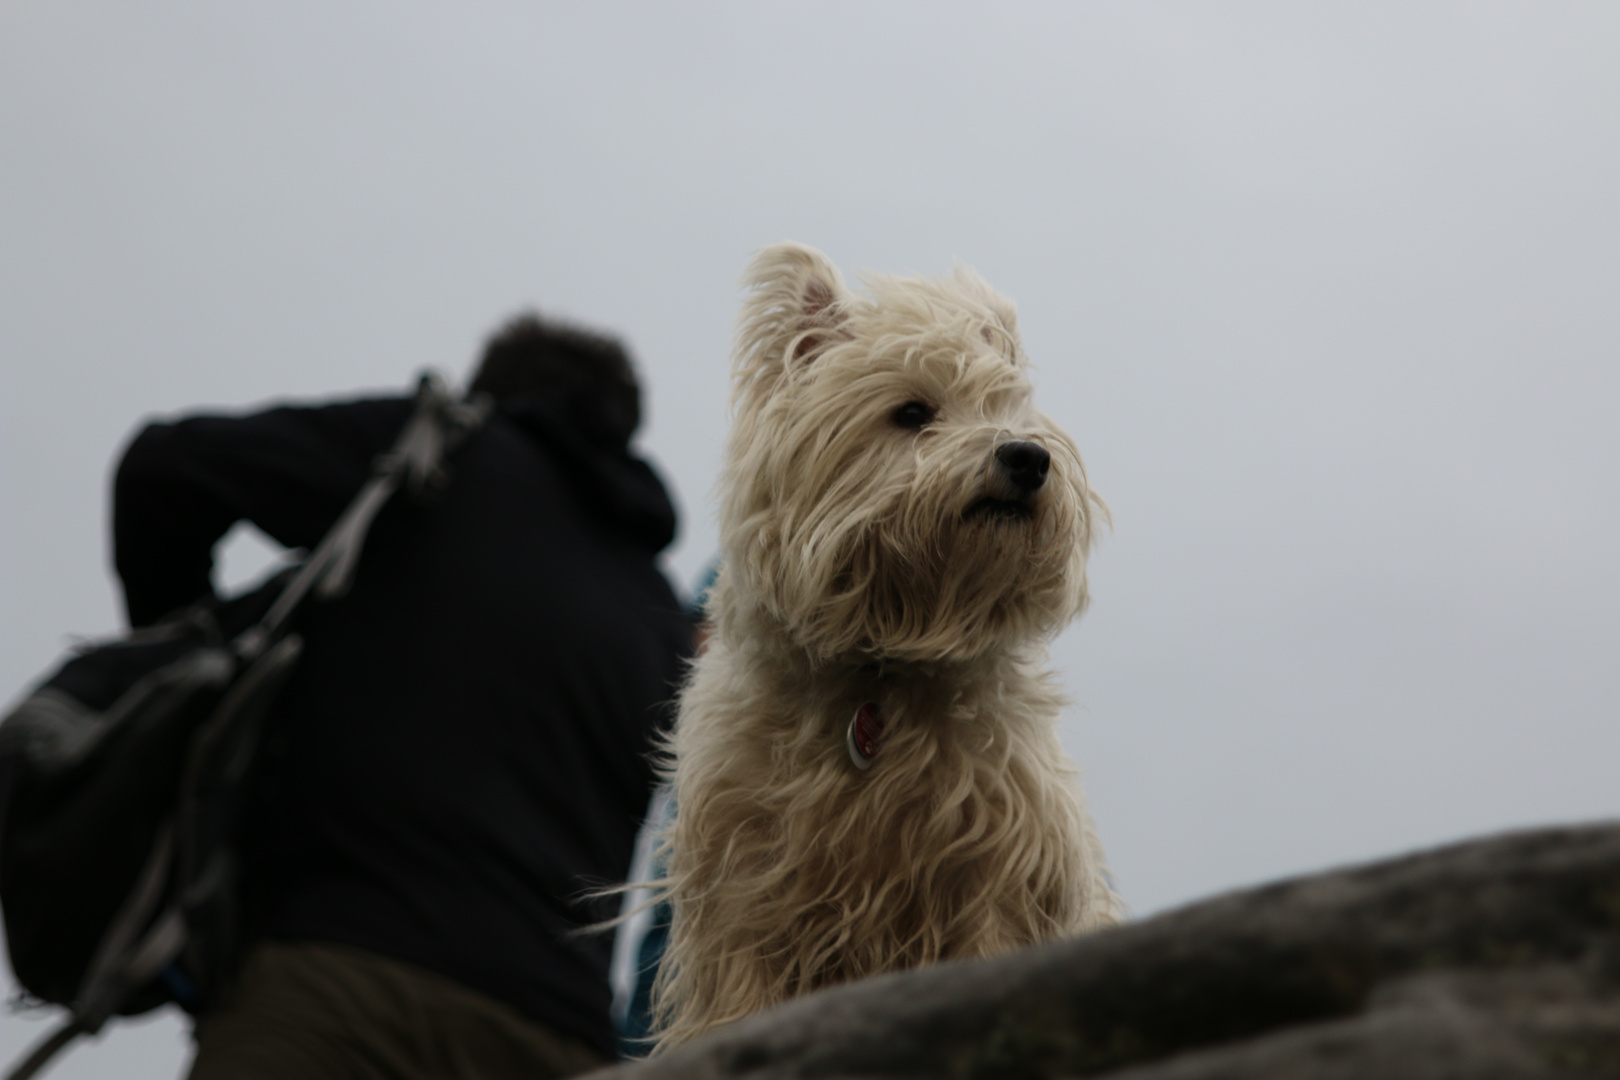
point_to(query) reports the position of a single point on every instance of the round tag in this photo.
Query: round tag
(863, 735)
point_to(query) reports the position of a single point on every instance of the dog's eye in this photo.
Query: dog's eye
(914, 415)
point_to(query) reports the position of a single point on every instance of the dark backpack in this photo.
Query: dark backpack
(122, 775)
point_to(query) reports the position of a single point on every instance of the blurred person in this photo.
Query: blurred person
(462, 753)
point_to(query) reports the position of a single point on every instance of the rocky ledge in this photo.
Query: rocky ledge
(1497, 958)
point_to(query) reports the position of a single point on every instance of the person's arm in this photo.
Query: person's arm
(182, 485)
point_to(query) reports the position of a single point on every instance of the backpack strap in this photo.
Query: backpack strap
(416, 461)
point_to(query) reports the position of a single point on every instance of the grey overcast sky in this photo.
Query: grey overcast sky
(1328, 294)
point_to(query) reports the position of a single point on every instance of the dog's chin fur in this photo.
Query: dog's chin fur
(865, 560)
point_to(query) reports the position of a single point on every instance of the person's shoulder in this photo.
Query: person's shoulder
(360, 424)
(356, 409)
(346, 405)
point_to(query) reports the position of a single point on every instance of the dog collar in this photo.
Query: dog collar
(864, 735)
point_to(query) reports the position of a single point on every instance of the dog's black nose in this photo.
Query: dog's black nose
(1026, 464)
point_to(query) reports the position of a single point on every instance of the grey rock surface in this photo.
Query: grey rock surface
(1497, 958)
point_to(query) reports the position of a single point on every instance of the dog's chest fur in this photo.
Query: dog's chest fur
(793, 869)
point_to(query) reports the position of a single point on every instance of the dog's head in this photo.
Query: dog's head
(890, 489)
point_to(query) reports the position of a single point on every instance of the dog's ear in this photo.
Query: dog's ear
(820, 316)
(1000, 332)
(797, 303)
(1006, 314)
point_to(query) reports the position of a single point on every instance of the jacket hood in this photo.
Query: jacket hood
(592, 440)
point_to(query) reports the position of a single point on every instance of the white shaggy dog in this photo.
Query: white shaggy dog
(866, 764)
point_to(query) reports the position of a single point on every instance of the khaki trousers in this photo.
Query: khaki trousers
(312, 1011)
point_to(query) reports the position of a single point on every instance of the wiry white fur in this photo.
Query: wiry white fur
(850, 575)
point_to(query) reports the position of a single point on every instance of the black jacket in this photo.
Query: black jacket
(463, 749)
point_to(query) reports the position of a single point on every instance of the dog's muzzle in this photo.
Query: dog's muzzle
(1016, 479)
